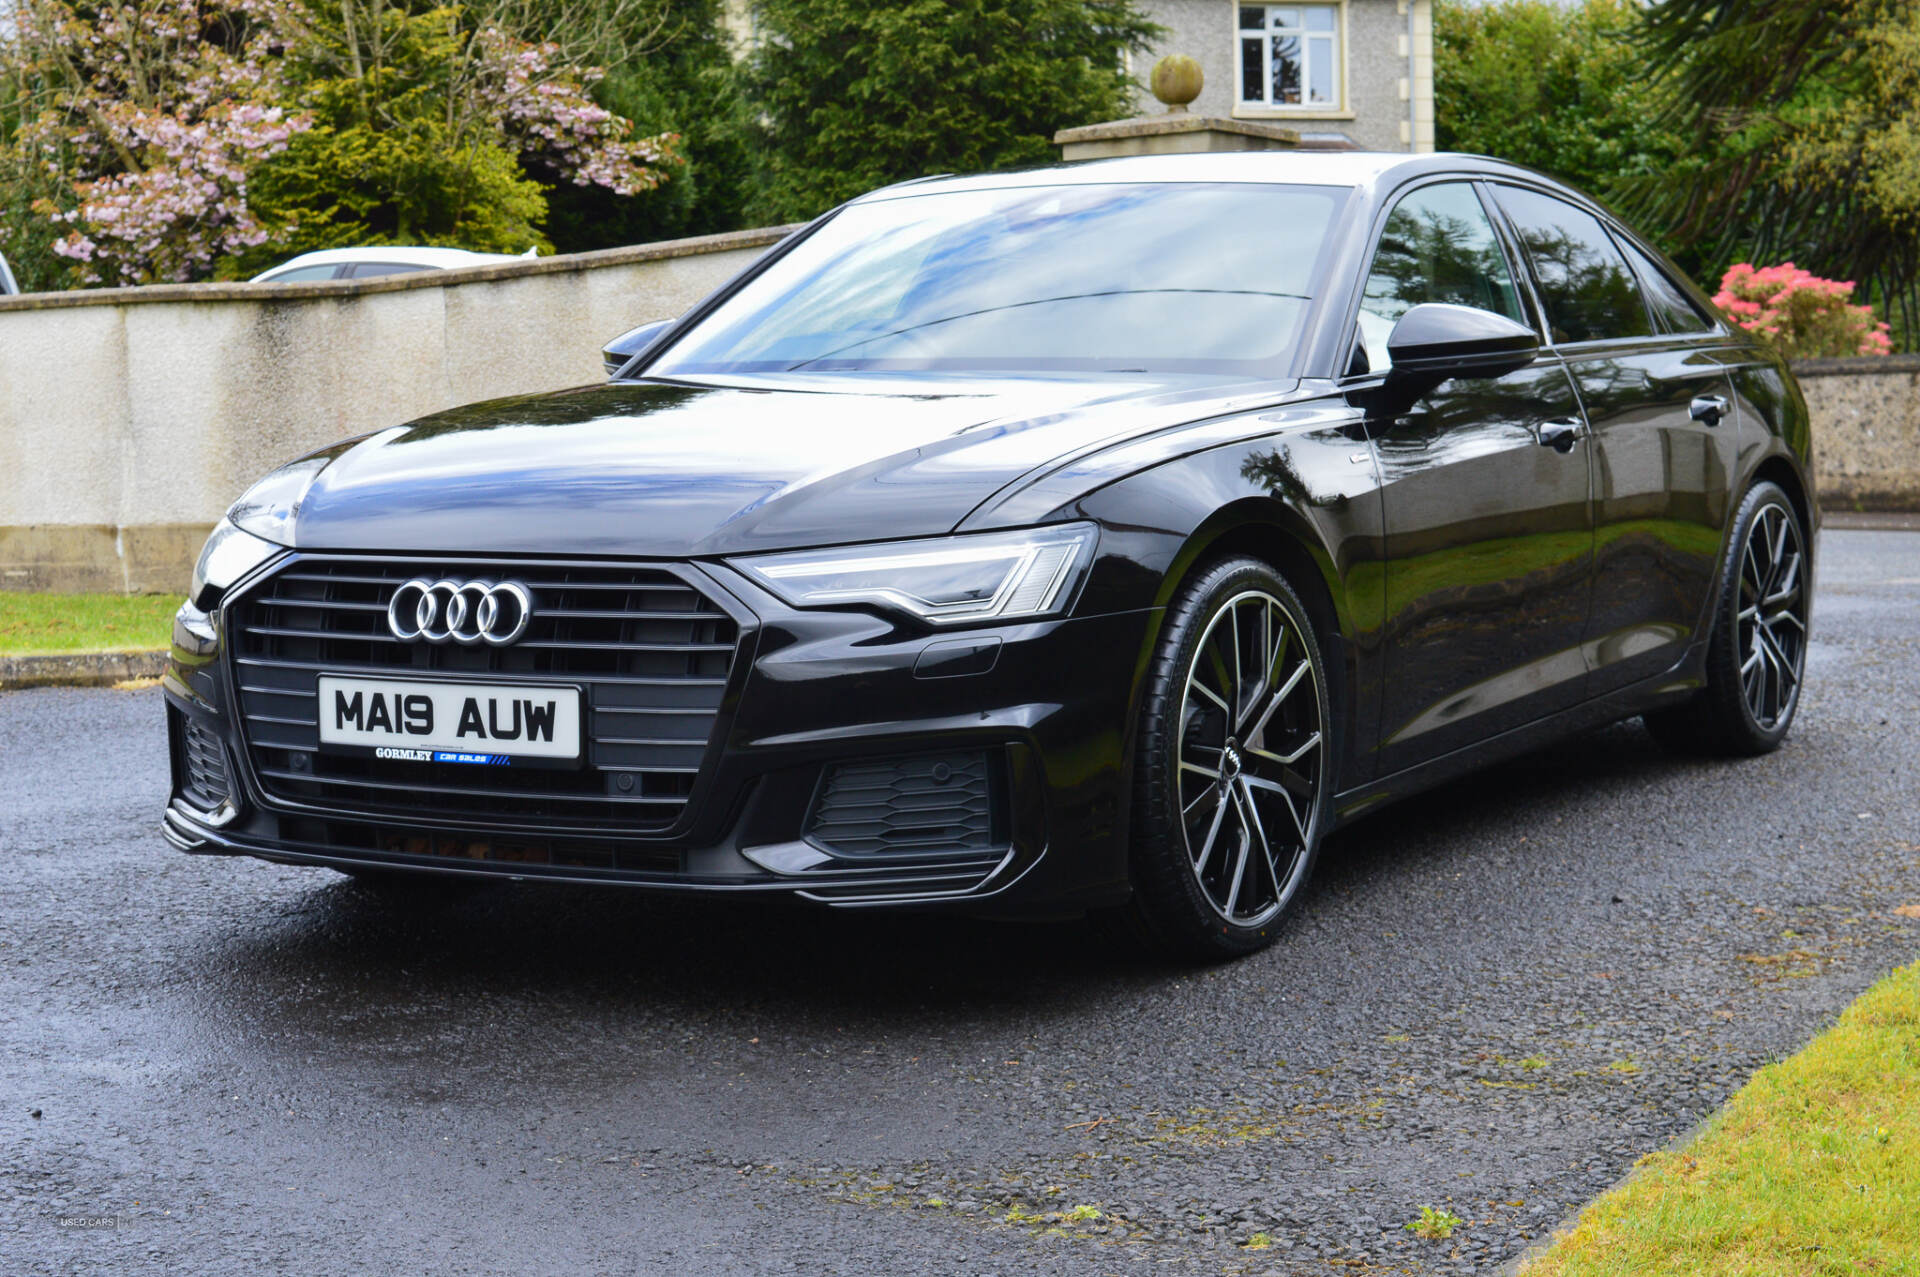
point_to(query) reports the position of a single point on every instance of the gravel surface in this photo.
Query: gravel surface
(1492, 1000)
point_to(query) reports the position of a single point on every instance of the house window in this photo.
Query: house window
(1290, 55)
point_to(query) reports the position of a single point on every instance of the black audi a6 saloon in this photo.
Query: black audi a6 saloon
(1093, 539)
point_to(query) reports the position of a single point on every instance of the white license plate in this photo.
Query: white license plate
(414, 720)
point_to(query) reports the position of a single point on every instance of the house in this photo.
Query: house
(1343, 73)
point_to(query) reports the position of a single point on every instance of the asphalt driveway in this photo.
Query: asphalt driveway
(1494, 999)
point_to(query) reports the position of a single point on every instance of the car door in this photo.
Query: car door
(1659, 405)
(1488, 528)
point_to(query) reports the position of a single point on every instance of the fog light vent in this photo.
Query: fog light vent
(203, 767)
(924, 805)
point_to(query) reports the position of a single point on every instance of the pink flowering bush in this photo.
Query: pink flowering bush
(1799, 313)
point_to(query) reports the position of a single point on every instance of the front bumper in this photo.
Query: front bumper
(1051, 711)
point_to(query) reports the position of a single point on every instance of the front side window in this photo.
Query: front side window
(1437, 246)
(1290, 55)
(1177, 277)
(1586, 286)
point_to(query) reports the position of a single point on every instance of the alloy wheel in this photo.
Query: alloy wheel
(1772, 620)
(1250, 759)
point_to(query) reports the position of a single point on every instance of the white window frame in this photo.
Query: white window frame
(1338, 108)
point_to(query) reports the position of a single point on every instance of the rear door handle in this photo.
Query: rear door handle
(1709, 408)
(1560, 435)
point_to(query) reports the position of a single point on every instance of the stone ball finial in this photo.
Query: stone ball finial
(1176, 81)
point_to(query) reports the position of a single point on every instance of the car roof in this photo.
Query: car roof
(1302, 168)
(433, 258)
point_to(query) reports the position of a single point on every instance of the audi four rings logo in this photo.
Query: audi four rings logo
(466, 612)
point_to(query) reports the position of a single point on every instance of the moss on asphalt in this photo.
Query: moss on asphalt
(48, 624)
(1812, 1168)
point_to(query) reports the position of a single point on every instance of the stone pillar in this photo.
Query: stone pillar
(1176, 81)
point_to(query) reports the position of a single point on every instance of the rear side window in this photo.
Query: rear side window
(1675, 310)
(367, 270)
(304, 274)
(1437, 246)
(1588, 289)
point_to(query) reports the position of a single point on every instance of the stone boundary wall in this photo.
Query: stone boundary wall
(1866, 430)
(130, 418)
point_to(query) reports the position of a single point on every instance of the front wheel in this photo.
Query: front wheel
(1231, 778)
(1757, 649)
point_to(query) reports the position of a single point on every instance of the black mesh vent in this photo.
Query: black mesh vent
(650, 653)
(203, 766)
(931, 804)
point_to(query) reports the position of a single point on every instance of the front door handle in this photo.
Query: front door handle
(1709, 408)
(1560, 435)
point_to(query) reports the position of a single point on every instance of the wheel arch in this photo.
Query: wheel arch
(1776, 435)
(1781, 469)
(1280, 536)
(1778, 469)
(1258, 528)
(1303, 498)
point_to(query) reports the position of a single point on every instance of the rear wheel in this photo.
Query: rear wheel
(1757, 650)
(1230, 779)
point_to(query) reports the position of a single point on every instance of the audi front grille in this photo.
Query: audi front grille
(650, 653)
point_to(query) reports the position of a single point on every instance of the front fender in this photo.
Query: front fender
(1297, 486)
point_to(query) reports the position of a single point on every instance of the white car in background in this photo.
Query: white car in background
(366, 263)
(7, 286)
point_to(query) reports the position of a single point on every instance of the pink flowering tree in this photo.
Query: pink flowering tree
(167, 140)
(429, 129)
(1800, 314)
(150, 114)
(543, 106)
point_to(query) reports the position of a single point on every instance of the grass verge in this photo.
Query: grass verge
(1812, 1168)
(49, 624)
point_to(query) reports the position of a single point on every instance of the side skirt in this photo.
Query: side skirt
(1687, 676)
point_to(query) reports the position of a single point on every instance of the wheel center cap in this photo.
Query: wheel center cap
(1230, 760)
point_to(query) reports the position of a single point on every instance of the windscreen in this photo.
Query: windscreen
(1199, 277)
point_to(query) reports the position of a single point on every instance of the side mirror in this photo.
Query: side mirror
(617, 353)
(1436, 339)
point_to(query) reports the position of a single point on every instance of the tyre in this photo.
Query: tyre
(1231, 779)
(1757, 648)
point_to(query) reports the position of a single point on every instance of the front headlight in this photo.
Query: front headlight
(269, 507)
(256, 528)
(946, 581)
(229, 554)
